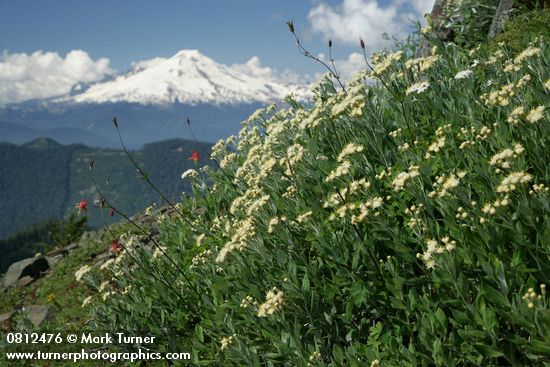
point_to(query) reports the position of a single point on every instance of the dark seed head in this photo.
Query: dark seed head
(362, 43)
(290, 25)
(115, 121)
(91, 164)
(329, 43)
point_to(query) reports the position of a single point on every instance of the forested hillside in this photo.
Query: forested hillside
(41, 181)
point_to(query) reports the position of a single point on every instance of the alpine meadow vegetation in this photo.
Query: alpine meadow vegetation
(401, 220)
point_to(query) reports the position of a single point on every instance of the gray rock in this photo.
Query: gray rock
(70, 247)
(439, 19)
(55, 259)
(60, 251)
(33, 267)
(24, 281)
(5, 320)
(37, 314)
(502, 15)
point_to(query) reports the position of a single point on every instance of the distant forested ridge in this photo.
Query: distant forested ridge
(42, 180)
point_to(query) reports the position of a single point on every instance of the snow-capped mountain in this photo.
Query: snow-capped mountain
(152, 102)
(189, 77)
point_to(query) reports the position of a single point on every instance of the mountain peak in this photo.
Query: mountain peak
(42, 143)
(189, 77)
(187, 54)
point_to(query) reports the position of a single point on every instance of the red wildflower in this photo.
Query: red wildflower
(195, 156)
(82, 205)
(115, 246)
(111, 212)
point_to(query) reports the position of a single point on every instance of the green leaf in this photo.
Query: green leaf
(488, 350)
(199, 333)
(305, 283)
(538, 347)
(495, 297)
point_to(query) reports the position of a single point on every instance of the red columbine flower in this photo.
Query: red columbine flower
(111, 212)
(115, 246)
(82, 205)
(195, 156)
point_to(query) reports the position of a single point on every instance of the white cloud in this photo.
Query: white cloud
(46, 74)
(368, 19)
(349, 67)
(254, 67)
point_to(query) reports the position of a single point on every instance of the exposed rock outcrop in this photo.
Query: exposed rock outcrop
(502, 15)
(33, 267)
(37, 314)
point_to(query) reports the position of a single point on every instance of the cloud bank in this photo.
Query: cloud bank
(46, 74)
(254, 67)
(366, 18)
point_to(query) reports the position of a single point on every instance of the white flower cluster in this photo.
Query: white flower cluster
(189, 173)
(250, 202)
(502, 158)
(520, 59)
(418, 88)
(81, 272)
(535, 114)
(349, 150)
(513, 117)
(381, 66)
(499, 97)
(226, 342)
(159, 251)
(86, 301)
(365, 209)
(248, 301)
(538, 189)
(509, 183)
(414, 212)
(302, 218)
(353, 102)
(461, 213)
(402, 178)
(395, 133)
(244, 232)
(491, 208)
(274, 301)
(435, 147)
(341, 170)
(201, 258)
(422, 63)
(435, 248)
(314, 359)
(445, 183)
(464, 74)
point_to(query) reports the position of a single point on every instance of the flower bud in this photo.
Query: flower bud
(290, 25)
(115, 121)
(362, 43)
(329, 43)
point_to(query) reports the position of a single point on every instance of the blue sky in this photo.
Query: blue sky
(229, 31)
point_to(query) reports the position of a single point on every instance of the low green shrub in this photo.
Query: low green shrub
(524, 28)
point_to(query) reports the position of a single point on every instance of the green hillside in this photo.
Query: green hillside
(41, 181)
(33, 183)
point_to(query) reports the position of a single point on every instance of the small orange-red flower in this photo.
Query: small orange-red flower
(115, 246)
(195, 156)
(82, 205)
